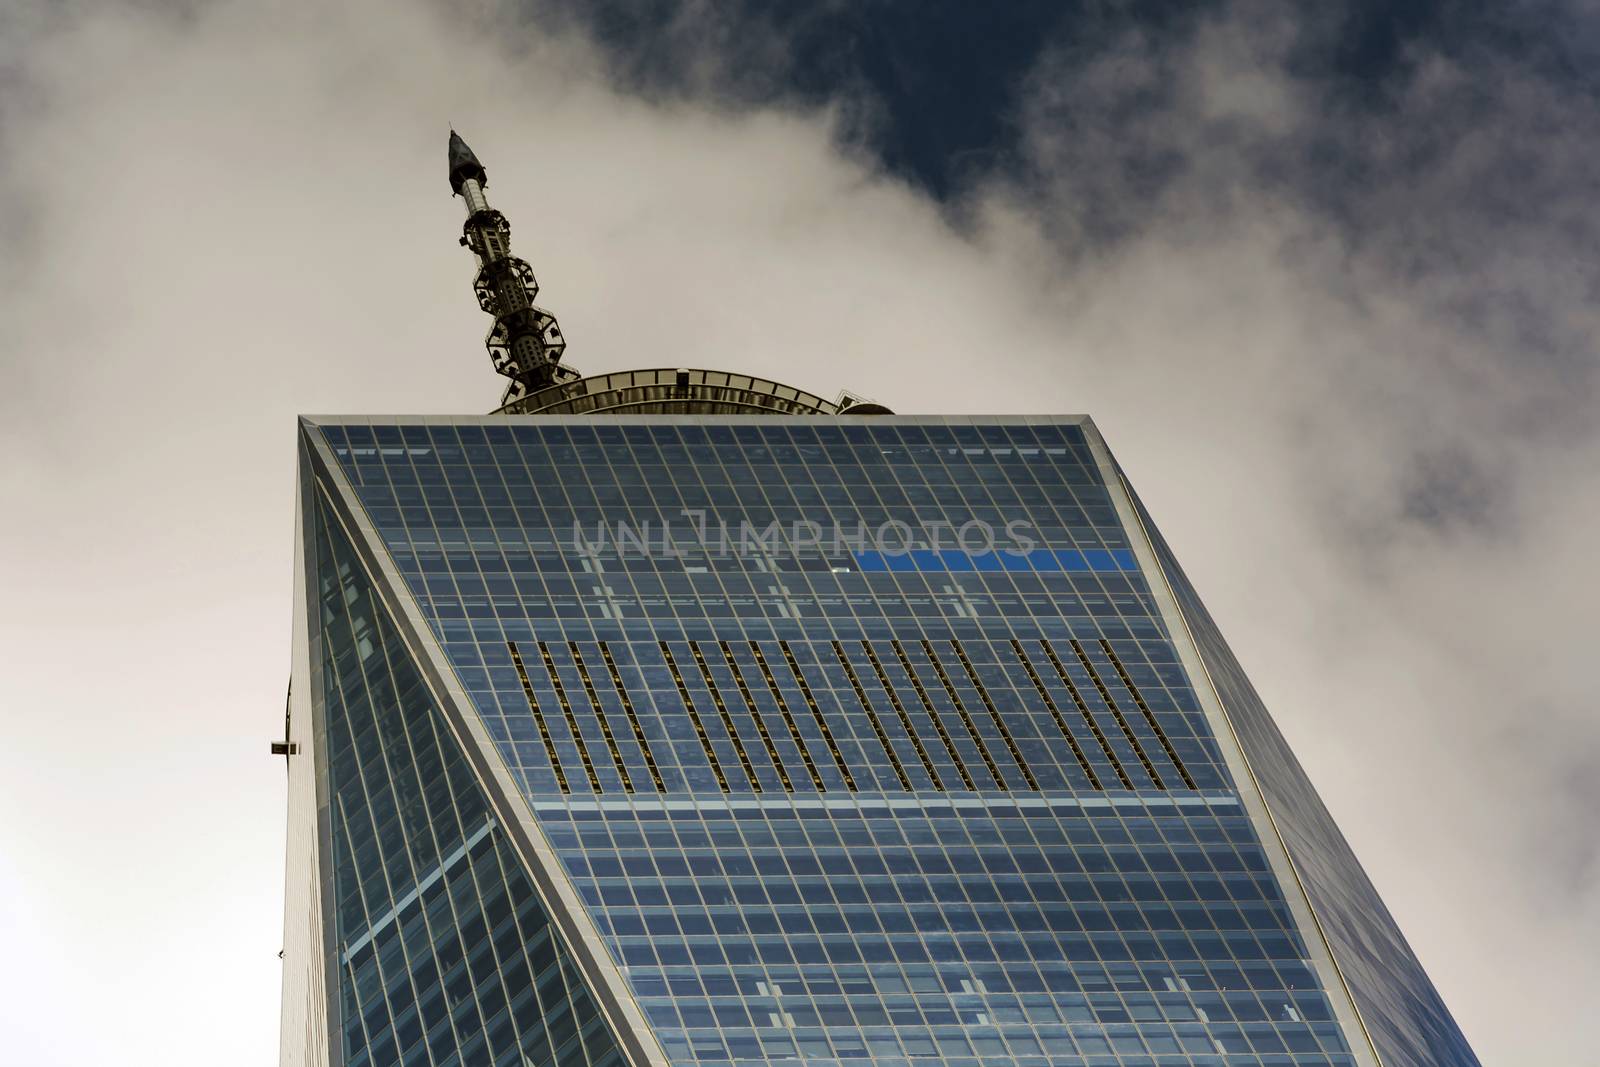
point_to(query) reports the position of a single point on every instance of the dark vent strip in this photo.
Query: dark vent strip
(900, 711)
(761, 726)
(927, 706)
(538, 718)
(1116, 713)
(694, 719)
(600, 717)
(811, 703)
(961, 711)
(994, 713)
(1088, 716)
(1149, 716)
(572, 720)
(727, 719)
(1055, 713)
(877, 725)
(632, 716)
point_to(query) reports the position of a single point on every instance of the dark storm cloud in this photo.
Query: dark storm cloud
(928, 90)
(936, 91)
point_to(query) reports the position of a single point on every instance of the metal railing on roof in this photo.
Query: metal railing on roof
(674, 390)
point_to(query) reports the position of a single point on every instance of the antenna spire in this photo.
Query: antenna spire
(525, 343)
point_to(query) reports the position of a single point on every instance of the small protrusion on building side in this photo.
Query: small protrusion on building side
(525, 343)
(286, 747)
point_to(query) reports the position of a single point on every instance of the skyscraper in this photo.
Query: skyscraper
(678, 717)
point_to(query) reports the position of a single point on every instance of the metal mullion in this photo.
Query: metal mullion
(572, 719)
(600, 716)
(794, 728)
(694, 720)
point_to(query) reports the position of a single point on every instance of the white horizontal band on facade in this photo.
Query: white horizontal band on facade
(790, 802)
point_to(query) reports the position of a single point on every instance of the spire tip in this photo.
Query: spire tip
(464, 164)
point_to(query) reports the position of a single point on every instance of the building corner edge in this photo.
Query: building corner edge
(1347, 1012)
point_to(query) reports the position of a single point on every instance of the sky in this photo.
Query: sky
(1325, 276)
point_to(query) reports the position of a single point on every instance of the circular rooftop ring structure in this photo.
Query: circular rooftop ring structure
(681, 391)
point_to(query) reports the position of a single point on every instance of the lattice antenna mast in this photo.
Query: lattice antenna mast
(525, 343)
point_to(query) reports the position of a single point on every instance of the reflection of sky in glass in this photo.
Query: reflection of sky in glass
(443, 952)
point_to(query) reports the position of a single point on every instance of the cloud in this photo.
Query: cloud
(1345, 351)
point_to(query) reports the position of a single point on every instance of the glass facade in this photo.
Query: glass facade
(444, 954)
(857, 740)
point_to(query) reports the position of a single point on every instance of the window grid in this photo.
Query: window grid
(694, 719)
(1083, 710)
(600, 716)
(572, 719)
(1148, 921)
(444, 954)
(727, 719)
(1055, 714)
(927, 707)
(761, 726)
(961, 712)
(716, 960)
(899, 710)
(1133, 690)
(632, 716)
(1116, 712)
(877, 724)
(811, 704)
(994, 713)
(538, 718)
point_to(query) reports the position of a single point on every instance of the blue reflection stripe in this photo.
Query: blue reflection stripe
(1040, 559)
